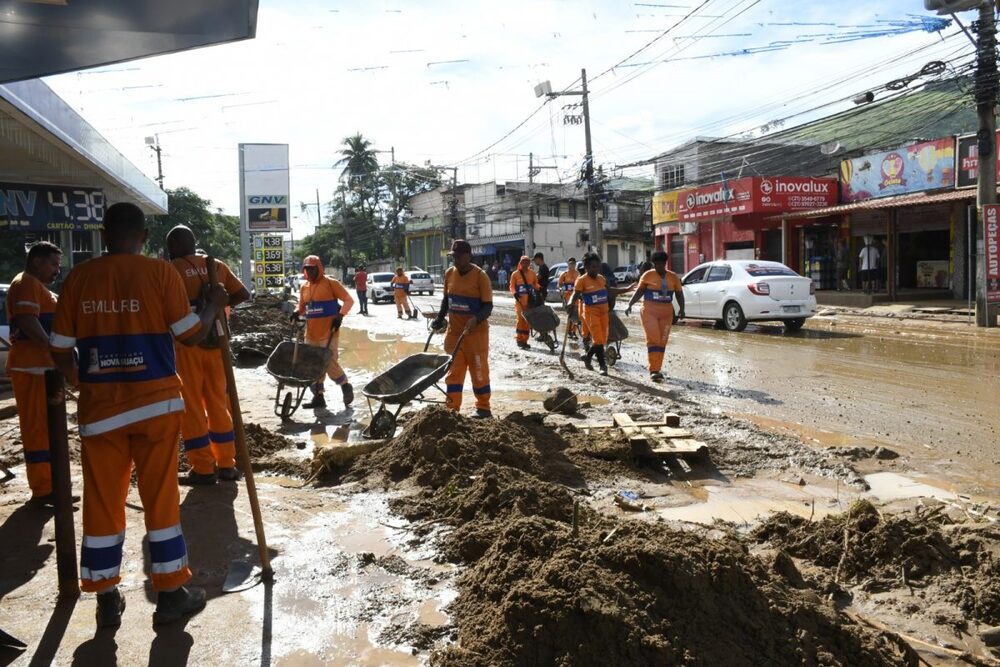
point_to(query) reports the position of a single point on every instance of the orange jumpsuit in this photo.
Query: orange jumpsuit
(207, 427)
(657, 313)
(122, 312)
(27, 362)
(566, 282)
(594, 300)
(400, 290)
(523, 282)
(465, 296)
(321, 302)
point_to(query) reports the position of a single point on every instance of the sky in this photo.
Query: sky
(441, 81)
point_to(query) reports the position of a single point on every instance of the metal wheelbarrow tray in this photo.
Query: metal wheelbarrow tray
(617, 332)
(404, 382)
(545, 321)
(309, 368)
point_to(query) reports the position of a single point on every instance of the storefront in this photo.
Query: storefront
(667, 233)
(504, 251)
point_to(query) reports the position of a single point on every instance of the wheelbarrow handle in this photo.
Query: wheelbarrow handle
(458, 343)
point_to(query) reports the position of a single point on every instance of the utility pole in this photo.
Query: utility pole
(986, 96)
(319, 216)
(154, 145)
(347, 227)
(529, 241)
(596, 233)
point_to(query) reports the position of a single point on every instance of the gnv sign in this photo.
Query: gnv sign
(267, 200)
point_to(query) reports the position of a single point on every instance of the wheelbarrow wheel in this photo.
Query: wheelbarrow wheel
(287, 408)
(383, 424)
(612, 355)
(550, 342)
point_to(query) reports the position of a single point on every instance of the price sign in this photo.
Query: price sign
(274, 268)
(273, 241)
(272, 255)
(258, 268)
(274, 281)
(46, 208)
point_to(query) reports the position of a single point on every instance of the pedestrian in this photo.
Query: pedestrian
(324, 302)
(657, 288)
(468, 303)
(207, 428)
(543, 275)
(869, 261)
(843, 264)
(30, 308)
(491, 273)
(502, 277)
(566, 282)
(524, 286)
(121, 312)
(361, 287)
(592, 290)
(401, 292)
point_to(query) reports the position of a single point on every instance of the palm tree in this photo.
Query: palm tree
(360, 174)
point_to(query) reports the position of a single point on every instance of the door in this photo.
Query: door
(772, 245)
(713, 290)
(612, 258)
(693, 283)
(677, 254)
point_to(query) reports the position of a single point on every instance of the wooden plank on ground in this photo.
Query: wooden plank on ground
(628, 427)
(672, 419)
(680, 446)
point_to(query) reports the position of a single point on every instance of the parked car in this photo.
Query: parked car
(627, 274)
(420, 282)
(734, 292)
(380, 287)
(4, 329)
(555, 271)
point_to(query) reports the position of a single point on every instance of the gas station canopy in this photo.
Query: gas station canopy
(43, 37)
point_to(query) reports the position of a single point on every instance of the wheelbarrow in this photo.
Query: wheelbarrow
(617, 332)
(297, 366)
(543, 320)
(406, 381)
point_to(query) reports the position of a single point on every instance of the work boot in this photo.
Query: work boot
(482, 414)
(174, 605)
(348, 393)
(110, 606)
(230, 474)
(318, 401)
(523, 345)
(656, 376)
(604, 369)
(200, 479)
(399, 316)
(587, 362)
(413, 316)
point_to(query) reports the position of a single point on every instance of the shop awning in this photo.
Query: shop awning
(484, 241)
(899, 201)
(42, 37)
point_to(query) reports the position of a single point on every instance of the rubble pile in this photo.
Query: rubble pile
(257, 327)
(271, 452)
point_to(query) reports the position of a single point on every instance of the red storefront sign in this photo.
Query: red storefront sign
(756, 195)
(967, 157)
(991, 244)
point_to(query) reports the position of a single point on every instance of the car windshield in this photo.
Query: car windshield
(764, 270)
(621, 269)
(421, 276)
(382, 278)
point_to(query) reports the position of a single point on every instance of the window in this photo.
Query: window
(552, 209)
(572, 210)
(480, 216)
(764, 270)
(672, 176)
(696, 276)
(719, 273)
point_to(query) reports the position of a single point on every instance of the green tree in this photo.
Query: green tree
(218, 234)
(401, 182)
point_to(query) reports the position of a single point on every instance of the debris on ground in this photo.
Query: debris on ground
(271, 452)
(551, 581)
(257, 327)
(561, 400)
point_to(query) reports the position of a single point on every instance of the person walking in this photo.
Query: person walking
(30, 309)
(502, 277)
(523, 285)
(591, 289)
(401, 292)
(566, 282)
(207, 428)
(467, 303)
(361, 287)
(121, 313)
(324, 302)
(842, 261)
(658, 288)
(869, 265)
(543, 275)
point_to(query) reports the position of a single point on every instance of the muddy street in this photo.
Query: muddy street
(463, 542)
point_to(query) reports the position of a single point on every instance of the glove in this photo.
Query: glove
(337, 321)
(438, 324)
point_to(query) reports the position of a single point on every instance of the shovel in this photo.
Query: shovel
(562, 355)
(13, 642)
(241, 576)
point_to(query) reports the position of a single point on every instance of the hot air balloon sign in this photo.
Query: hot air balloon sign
(892, 172)
(928, 165)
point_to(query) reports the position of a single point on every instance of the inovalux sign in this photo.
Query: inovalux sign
(756, 195)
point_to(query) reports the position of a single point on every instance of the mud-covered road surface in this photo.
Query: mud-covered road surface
(846, 514)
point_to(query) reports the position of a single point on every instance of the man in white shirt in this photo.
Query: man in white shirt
(870, 258)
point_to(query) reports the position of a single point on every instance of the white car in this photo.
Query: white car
(380, 287)
(420, 282)
(734, 292)
(555, 272)
(4, 329)
(627, 274)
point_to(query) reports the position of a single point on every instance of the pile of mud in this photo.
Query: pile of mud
(269, 452)
(551, 581)
(258, 327)
(880, 552)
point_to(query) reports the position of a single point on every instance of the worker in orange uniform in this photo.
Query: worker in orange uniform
(122, 312)
(524, 286)
(591, 289)
(207, 429)
(401, 292)
(468, 303)
(566, 282)
(657, 288)
(324, 302)
(30, 308)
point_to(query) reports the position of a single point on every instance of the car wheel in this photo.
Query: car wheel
(794, 325)
(733, 318)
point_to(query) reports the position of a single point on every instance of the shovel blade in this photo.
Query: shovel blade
(240, 577)
(7, 640)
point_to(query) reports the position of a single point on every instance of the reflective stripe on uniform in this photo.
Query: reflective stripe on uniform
(596, 297)
(62, 342)
(196, 443)
(655, 348)
(228, 436)
(101, 556)
(167, 550)
(481, 390)
(27, 303)
(185, 324)
(453, 388)
(132, 416)
(34, 370)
